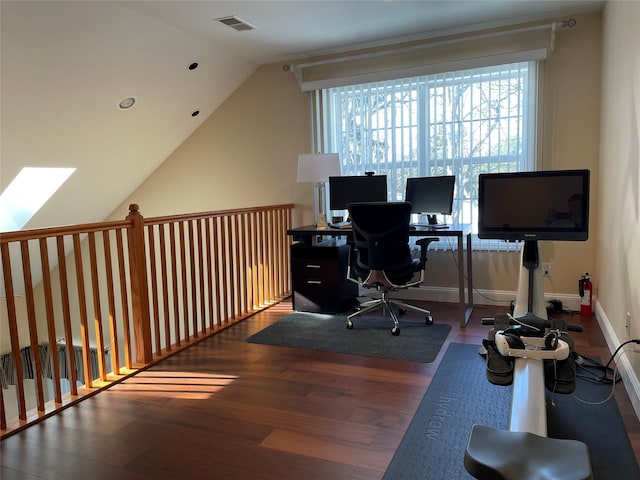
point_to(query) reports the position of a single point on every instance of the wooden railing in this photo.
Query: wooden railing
(151, 287)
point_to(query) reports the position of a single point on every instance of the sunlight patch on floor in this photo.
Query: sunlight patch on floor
(183, 385)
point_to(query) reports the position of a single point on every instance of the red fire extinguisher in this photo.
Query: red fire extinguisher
(585, 287)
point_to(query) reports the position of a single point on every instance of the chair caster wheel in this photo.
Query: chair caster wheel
(395, 331)
(402, 311)
(429, 320)
(349, 324)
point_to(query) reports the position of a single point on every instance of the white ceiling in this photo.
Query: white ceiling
(65, 65)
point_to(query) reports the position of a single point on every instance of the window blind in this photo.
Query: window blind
(460, 123)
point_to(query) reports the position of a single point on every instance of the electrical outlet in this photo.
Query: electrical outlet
(546, 269)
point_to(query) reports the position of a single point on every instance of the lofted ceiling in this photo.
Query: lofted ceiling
(65, 66)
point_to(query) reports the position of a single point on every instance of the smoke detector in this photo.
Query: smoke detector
(236, 23)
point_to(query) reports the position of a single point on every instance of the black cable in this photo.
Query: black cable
(475, 289)
(635, 340)
(604, 368)
(592, 371)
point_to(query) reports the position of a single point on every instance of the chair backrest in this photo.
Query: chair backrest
(381, 239)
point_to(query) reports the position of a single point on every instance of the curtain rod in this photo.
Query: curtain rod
(566, 23)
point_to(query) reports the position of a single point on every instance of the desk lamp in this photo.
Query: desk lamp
(317, 168)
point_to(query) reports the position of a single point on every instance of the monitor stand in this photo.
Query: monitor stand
(432, 221)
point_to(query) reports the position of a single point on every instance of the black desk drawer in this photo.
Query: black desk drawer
(316, 271)
(318, 275)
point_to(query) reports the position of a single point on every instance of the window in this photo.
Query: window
(29, 191)
(458, 123)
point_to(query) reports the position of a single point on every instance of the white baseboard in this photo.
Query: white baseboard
(629, 377)
(480, 297)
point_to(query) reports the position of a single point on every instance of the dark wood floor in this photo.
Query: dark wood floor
(228, 409)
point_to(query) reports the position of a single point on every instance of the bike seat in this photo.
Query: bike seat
(503, 455)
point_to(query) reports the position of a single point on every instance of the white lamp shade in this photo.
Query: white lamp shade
(317, 167)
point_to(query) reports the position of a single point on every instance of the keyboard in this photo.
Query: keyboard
(439, 226)
(343, 224)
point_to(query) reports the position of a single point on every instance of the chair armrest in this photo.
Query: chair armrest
(424, 246)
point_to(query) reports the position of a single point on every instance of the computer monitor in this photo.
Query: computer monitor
(431, 195)
(547, 205)
(363, 188)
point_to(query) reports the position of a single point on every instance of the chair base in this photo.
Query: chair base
(384, 303)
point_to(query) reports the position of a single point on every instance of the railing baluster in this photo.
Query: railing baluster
(217, 248)
(201, 277)
(82, 301)
(97, 311)
(124, 301)
(33, 325)
(51, 324)
(185, 285)
(13, 331)
(263, 241)
(165, 287)
(174, 282)
(224, 298)
(111, 303)
(279, 257)
(251, 277)
(229, 267)
(66, 316)
(154, 288)
(193, 281)
(211, 286)
(271, 244)
(239, 272)
(256, 259)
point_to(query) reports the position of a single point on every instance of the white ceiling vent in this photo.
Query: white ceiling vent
(236, 23)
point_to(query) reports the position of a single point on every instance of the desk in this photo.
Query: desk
(311, 236)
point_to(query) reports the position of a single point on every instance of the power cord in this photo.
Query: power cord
(635, 340)
(594, 371)
(475, 290)
(615, 377)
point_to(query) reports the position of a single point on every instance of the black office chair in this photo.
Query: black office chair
(380, 256)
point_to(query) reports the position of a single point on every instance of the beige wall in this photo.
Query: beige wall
(618, 250)
(245, 154)
(570, 139)
(571, 135)
(570, 132)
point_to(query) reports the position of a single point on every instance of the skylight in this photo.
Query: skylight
(27, 193)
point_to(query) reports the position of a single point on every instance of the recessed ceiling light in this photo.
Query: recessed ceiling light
(193, 66)
(127, 103)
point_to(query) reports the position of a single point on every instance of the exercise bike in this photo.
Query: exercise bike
(528, 339)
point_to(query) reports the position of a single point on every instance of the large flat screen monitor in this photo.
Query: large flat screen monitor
(349, 189)
(431, 195)
(548, 205)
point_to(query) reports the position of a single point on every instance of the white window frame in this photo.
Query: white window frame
(510, 146)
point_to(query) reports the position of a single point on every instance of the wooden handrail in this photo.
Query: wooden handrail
(152, 286)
